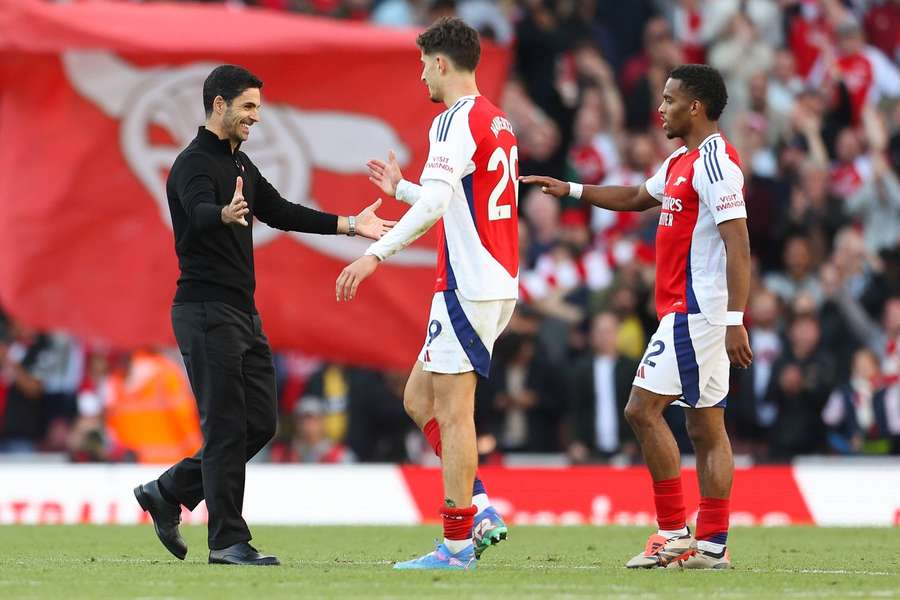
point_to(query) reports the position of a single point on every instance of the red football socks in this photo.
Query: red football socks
(458, 522)
(669, 499)
(433, 434)
(712, 520)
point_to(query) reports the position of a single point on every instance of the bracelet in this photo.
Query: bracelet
(575, 190)
(734, 317)
(351, 226)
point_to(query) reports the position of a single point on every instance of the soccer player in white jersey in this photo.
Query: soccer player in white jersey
(702, 283)
(469, 186)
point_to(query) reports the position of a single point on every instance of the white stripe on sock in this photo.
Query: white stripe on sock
(481, 501)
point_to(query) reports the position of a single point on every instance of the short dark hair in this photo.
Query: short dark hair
(706, 84)
(228, 81)
(451, 36)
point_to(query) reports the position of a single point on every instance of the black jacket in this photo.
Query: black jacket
(583, 402)
(216, 260)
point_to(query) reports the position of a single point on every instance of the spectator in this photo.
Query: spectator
(855, 413)
(852, 168)
(309, 442)
(876, 203)
(738, 55)
(783, 87)
(881, 27)
(41, 372)
(488, 18)
(801, 380)
(542, 43)
(866, 72)
(639, 163)
(763, 14)
(149, 410)
(542, 213)
(799, 275)
(377, 424)
(644, 77)
(601, 384)
(750, 410)
(526, 406)
(330, 386)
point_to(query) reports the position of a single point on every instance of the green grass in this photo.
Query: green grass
(536, 562)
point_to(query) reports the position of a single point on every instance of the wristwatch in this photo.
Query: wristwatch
(351, 226)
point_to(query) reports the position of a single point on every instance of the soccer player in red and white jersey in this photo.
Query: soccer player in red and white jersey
(702, 283)
(469, 186)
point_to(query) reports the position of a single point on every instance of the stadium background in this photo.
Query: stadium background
(98, 97)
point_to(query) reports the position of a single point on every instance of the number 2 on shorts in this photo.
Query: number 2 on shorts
(660, 348)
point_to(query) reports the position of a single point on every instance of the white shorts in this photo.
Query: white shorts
(461, 333)
(686, 357)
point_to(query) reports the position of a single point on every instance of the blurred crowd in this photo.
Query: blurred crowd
(813, 110)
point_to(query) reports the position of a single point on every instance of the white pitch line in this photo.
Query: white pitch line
(529, 566)
(823, 572)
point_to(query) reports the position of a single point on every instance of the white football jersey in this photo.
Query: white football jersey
(473, 148)
(698, 190)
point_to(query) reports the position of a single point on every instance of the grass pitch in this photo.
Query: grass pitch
(97, 562)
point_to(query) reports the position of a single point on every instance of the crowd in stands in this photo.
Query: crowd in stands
(813, 110)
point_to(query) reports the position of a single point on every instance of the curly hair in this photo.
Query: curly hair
(705, 84)
(452, 37)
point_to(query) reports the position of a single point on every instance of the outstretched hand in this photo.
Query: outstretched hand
(236, 210)
(370, 225)
(385, 175)
(551, 186)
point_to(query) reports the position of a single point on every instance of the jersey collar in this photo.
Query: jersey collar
(709, 137)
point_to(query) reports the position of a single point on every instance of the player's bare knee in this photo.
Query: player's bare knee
(412, 405)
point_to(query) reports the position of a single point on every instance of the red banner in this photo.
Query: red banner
(612, 496)
(97, 99)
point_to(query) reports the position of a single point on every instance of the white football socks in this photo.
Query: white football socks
(455, 546)
(673, 534)
(710, 547)
(481, 502)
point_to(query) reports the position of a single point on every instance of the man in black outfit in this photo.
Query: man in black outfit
(214, 192)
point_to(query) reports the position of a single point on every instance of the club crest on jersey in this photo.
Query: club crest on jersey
(500, 124)
(680, 180)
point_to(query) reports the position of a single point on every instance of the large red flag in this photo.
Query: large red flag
(97, 99)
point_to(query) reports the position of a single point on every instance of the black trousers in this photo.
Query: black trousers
(229, 363)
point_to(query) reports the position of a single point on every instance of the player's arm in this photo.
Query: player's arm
(737, 274)
(721, 190)
(431, 206)
(610, 197)
(433, 203)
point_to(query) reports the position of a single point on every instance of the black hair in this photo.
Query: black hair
(451, 36)
(228, 81)
(706, 85)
